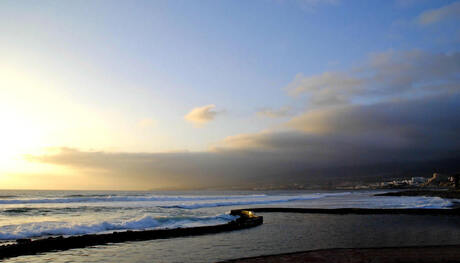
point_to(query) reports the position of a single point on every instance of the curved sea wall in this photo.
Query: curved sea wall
(29, 247)
(356, 211)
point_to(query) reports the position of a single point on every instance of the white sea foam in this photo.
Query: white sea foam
(23, 218)
(123, 199)
(266, 200)
(410, 202)
(53, 228)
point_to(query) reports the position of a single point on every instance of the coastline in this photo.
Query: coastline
(448, 253)
(287, 230)
(450, 194)
(246, 219)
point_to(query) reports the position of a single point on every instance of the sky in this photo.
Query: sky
(136, 95)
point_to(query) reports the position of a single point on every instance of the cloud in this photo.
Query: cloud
(340, 142)
(396, 114)
(383, 76)
(404, 121)
(402, 131)
(326, 88)
(274, 113)
(201, 115)
(169, 170)
(432, 16)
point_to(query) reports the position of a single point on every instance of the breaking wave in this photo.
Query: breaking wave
(53, 228)
(268, 200)
(77, 199)
(411, 202)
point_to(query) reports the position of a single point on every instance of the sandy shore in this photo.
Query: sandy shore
(360, 255)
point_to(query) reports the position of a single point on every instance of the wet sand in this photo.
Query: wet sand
(360, 255)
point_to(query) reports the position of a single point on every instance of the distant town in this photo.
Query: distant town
(436, 181)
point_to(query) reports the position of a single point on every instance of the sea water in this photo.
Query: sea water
(38, 214)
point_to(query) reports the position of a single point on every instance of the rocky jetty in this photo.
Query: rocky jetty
(357, 211)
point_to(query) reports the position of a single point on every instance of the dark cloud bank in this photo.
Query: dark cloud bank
(347, 143)
(356, 139)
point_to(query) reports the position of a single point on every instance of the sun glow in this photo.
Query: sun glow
(35, 116)
(20, 133)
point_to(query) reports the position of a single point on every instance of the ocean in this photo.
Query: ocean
(38, 214)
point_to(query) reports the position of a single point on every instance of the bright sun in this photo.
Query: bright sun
(17, 136)
(21, 131)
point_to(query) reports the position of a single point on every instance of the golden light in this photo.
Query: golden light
(20, 133)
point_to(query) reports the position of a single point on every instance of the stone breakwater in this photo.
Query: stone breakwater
(22, 247)
(357, 211)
